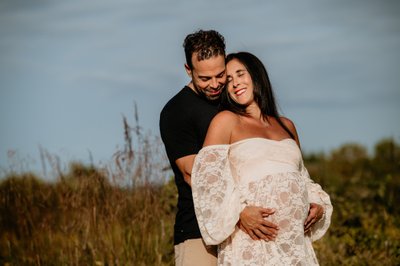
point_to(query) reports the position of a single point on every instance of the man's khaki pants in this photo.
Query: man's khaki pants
(193, 252)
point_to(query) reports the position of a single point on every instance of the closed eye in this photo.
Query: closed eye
(240, 73)
(220, 75)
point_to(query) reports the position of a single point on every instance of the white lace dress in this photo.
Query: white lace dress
(260, 172)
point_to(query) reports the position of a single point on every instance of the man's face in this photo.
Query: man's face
(208, 76)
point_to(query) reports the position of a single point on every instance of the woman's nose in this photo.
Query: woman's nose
(235, 82)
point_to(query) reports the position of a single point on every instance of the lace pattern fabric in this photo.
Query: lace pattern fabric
(264, 173)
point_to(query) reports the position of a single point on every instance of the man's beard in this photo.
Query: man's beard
(208, 97)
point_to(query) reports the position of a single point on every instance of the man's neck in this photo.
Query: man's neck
(191, 86)
(214, 102)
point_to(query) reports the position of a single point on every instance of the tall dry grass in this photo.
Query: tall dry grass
(84, 220)
(122, 213)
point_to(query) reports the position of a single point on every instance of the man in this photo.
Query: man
(183, 125)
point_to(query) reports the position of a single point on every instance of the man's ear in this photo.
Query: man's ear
(188, 70)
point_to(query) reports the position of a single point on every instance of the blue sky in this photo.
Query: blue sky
(69, 70)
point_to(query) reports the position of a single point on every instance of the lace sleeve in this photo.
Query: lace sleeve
(215, 195)
(319, 196)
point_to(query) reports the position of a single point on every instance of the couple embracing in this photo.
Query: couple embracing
(244, 195)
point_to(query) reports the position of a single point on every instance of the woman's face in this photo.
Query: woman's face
(239, 83)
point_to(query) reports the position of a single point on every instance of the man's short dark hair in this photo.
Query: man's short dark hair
(205, 43)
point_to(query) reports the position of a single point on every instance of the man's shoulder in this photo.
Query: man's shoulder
(178, 101)
(178, 110)
(186, 103)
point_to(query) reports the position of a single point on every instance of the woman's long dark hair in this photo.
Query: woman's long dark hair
(263, 93)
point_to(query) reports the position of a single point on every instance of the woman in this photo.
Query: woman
(252, 156)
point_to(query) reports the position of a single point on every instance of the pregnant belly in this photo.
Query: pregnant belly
(286, 192)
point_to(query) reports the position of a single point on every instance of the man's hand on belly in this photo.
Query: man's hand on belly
(253, 223)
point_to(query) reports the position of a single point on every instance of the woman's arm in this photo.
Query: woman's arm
(321, 201)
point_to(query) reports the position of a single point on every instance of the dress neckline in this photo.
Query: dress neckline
(261, 138)
(250, 139)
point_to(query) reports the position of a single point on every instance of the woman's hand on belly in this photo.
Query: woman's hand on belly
(314, 215)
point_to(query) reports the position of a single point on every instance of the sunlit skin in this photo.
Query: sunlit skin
(208, 76)
(241, 89)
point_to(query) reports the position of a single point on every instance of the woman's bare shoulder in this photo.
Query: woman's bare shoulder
(220, 129)
(292, 128)
(287, 121)
(225, 118)
(226, 115)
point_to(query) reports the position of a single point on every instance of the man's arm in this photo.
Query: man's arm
(185, 165)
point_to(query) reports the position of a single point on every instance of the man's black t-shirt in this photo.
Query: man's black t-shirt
(184, 121)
